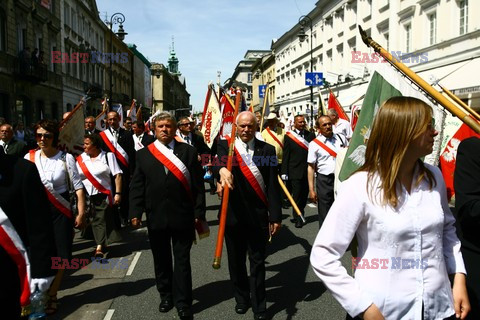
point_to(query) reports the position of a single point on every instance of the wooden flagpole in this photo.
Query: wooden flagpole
(437, 96)
(226, 191)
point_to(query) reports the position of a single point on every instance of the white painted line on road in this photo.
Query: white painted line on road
(134, 263)
(109, 314)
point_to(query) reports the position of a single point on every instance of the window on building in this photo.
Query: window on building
(66, 14)
(74, 20)
(3, 34)
(21, 37)
(432, 28)
(408, 38)
(463, 5)
(249, 77)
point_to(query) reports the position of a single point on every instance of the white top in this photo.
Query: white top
(318, 155)
(343, 127)
(422, 229)
(100, 170)
(53, 169)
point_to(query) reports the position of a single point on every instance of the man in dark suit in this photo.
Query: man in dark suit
(186, 131)
(140, 138)
(294, 164)
(90, 125)
(24, 201)
(467, 205)
(168, 183)
(120, 142)
(10, 144)
(253, 213)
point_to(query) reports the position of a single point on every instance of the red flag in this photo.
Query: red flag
(355, 112)
(227, 116)
(449, 156)
(334, 104)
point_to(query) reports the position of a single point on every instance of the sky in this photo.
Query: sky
(209, 35)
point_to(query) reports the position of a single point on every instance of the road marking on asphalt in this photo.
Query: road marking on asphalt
(134, 263)
(109, 314)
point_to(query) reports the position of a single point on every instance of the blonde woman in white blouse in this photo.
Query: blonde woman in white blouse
(397, 207)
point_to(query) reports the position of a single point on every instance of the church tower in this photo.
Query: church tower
(173, 61)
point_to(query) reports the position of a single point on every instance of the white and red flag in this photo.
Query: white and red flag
(334, 104)
(211, 118)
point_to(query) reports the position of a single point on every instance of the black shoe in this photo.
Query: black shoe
(293, 220)
(241, 308)
(299, 223)
(165, 306)
(185, 313)
(260, 316)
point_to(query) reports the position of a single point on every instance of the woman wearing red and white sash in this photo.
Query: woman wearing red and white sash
(58, 174)
(96, 168)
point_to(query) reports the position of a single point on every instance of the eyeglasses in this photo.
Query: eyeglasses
(183, 124)
(44, 135)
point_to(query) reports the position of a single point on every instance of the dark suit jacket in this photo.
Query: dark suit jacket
(200, 145)
(467, 192)
(245, 206)
(17, 148)
(94, 131)
(24, 201)
(294, 160)
(147, 139)
(163, 196)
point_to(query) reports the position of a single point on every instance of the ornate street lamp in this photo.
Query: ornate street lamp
(116, 18)
(305, 21)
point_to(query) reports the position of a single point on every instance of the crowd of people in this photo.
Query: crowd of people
(393, 209)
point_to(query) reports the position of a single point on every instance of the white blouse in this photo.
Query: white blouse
(100, 169)
(53, 169)
(417, 243)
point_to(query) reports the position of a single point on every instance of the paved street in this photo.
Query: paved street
(102, 291)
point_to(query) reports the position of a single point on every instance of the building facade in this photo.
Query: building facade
(30, 86)
(438, 39)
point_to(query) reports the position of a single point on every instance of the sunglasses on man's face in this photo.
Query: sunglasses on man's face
(44, 135)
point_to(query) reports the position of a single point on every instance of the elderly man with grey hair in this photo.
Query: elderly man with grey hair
(10, 144)
(340, 126)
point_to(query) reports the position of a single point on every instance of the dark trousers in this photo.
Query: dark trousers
(472, 261)
(10, 292)
(240, 241)
(325, 195)
(173, 276)
(299, 195)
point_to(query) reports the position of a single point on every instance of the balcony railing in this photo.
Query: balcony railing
(25, 70)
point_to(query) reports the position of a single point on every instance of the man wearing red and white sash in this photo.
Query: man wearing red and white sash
(322, 154)
(274, 135)
(254, 212)
(120, 142)
(23, 199)
(294, 164)
(168, 183)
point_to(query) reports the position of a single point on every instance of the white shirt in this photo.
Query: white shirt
(318, 155)
(53, 169)
(249, 146)
(421, 229)
(343, 127)
(100, 170)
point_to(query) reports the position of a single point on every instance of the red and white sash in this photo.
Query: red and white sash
(13, 245)
(298, 139)
(274, 137)
(138, 142)
(250, 171)
(54, 197)
(325, 147)
(173, 164)
(114, 147)
(92, 179)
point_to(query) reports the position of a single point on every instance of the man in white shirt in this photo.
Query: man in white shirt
(340, 125)
(322, 154)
